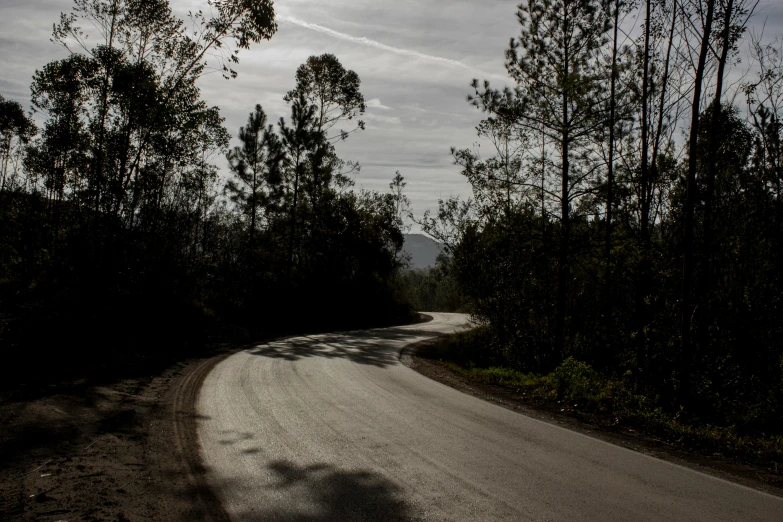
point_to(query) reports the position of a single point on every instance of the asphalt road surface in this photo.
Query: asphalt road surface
(334, 427)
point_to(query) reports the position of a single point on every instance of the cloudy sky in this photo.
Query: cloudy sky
(415, 58)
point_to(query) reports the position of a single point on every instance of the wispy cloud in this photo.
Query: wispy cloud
(394, 120)
(375, 103)
(378, 45)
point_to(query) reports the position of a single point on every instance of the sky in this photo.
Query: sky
(415, 58)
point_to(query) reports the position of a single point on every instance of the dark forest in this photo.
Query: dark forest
(120, 239)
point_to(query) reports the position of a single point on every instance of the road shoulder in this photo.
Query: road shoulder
(121, 451)
(417, 356)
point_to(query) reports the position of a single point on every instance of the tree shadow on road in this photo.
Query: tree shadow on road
(372, 347)
(324, 492)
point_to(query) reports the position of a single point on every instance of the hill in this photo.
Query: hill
(422, 249)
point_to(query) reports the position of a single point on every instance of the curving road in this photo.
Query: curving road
(334, 427)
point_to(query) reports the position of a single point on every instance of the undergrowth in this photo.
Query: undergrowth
(575, 388)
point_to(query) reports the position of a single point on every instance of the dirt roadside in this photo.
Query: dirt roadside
(125, 451)
(420, 357)
(121, 452)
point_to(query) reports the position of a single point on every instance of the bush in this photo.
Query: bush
(575, 380)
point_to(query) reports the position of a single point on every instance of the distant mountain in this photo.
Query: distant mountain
(423, 250)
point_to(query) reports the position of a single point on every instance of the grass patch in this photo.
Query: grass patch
(575, 388)
(495, 375)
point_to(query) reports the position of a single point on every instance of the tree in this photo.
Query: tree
(334, 93)
(764, 98)
(61, 156)
(141, 104)
(732, 16)
(656, 117)
(612, 124)
(499, 181)
(16, 130)
(401, 202)
(690, 203)
(555, 62)
(299, 140)
(333, 90)
(256, 164)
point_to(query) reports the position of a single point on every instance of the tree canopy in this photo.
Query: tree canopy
(116, 214)
(593, 233)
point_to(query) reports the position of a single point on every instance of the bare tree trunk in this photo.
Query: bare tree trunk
(253, 205)
(6, 158)
(563, 272)
(643, 285)
(686, 347)
(715, 122)
(610, 169)
(662, 97)
(98, 160)
(292, 238)
(543, 177)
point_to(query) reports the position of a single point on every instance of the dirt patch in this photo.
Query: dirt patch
(177, 456)
(125, 451)
(423, 358)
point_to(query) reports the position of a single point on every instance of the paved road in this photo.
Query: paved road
(334, 427)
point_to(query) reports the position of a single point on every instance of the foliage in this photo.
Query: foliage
(16, 129)
(334, 92)
(256, 166)
(117, 241)
(434, 289)
(576, 388)
(575, 260)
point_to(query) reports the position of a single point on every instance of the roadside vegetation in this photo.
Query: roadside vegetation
(576, 389)
(120, 240)
(623, 246)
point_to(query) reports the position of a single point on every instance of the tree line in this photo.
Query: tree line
(629, 213)
(119, 233)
